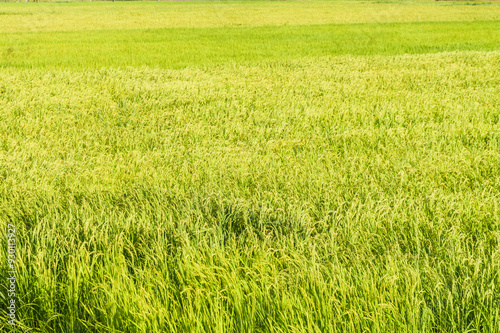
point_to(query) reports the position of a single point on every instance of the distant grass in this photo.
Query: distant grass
(31, 17)
(176, 48)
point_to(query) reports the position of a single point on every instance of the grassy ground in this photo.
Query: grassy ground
(176, 35)
(36, 17)
(327, 177)
(181, 47)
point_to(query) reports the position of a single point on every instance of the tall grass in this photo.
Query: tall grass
(251, 166)
(326, 194)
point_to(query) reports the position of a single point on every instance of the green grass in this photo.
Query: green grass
(181, 47)
(33, 17)
(307, 178)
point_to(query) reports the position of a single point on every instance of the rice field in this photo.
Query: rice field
(318, 166)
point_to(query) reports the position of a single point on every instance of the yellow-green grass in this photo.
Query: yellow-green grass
(205, 177)
(330, 194)
(33, 17)
(176, 35)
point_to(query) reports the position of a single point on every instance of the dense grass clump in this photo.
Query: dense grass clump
(326, 194)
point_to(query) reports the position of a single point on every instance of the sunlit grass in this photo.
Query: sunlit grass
(177, 48)
(316, 178)
(361, 194)
(35, 17)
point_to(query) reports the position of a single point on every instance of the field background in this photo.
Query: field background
(298, 166)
